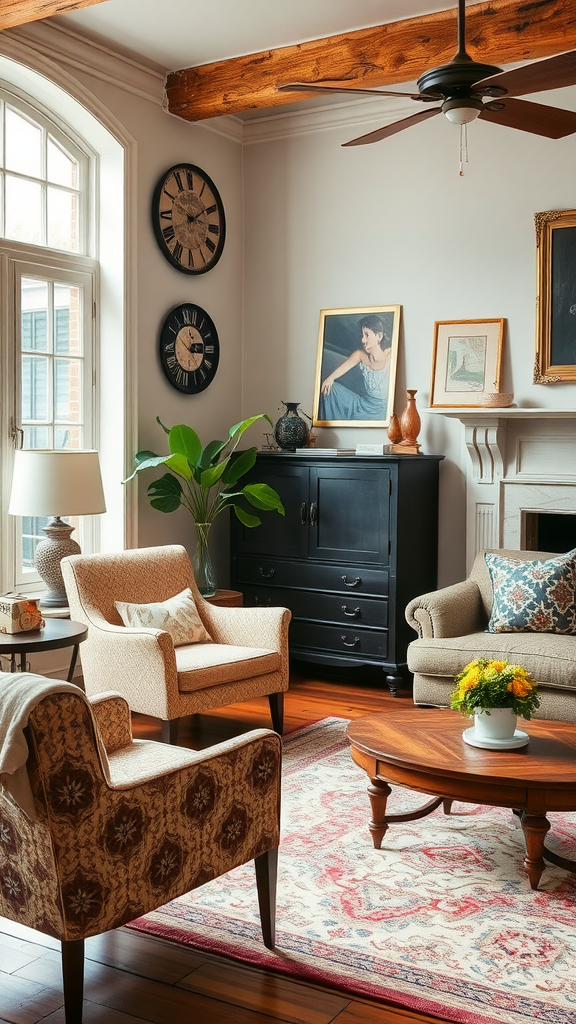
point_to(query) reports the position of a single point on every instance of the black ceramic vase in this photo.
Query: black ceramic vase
(291, 431)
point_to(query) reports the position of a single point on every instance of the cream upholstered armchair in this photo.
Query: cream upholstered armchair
(113, 828)
(247, 658)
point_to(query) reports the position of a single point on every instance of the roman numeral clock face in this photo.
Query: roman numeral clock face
(189, 348)
(188, 219)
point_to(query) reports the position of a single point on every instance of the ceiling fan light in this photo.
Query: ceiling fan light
(462, 111)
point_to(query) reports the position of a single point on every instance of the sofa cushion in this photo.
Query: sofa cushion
(205, 665)
(177, 615)
(536, 596)
(548, 657)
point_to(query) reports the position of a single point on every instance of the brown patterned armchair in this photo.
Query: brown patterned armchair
(249, 656)
(115, 828)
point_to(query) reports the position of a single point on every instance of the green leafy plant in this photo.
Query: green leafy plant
(204, 480)
(485, 684)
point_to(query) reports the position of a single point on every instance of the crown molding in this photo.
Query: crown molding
(74, 50)
(353, 114)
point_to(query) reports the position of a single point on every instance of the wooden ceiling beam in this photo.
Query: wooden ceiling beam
(20, 12)
(498, 32)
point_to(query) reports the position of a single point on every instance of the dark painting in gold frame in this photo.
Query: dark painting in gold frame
(556, 299)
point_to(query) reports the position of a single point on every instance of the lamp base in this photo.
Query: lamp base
(49, 554)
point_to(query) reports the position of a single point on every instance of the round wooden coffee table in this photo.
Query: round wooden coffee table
(56, 633)
(423, 749)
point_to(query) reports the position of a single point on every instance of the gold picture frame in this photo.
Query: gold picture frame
(466, 362)
(556, 297)
(356, 366)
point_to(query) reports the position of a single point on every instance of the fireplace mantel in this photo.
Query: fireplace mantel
(520, 459)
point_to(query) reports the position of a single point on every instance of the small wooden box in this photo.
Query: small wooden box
(19, 614)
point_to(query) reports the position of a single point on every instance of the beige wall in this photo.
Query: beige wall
(394, 223)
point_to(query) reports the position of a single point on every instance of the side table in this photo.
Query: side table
(56, 633)
(227, 599)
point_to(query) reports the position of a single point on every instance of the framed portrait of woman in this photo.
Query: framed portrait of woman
(356, 366)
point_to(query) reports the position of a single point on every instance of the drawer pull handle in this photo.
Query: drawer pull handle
(355, 641)
(351, 615)
(303, 513)
(354, 582)
(267, 575)
(313, 513)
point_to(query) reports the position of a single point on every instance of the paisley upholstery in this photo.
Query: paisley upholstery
(124, 826)
(248, 657)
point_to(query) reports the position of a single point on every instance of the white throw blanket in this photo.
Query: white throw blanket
(19, 693)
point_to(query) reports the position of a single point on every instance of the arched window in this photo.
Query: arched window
(48, 284)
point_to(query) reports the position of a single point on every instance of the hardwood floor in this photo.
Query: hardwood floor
(131, 977)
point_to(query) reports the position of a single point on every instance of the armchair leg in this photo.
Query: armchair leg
(170, 731)
(73, 979)
(266, 875)
(276, 701)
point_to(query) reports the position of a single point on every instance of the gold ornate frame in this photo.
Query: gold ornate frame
(444, 393)
(556, 297)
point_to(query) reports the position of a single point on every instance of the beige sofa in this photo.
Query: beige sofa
(450, 624)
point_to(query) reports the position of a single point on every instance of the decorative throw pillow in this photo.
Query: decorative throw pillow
(178, 616)
(535, 597)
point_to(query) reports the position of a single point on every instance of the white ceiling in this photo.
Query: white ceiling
(177, 34)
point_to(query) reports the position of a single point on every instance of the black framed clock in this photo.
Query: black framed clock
(189, 348)
(188, 219)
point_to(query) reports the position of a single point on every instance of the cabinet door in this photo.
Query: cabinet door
(349, 514)
(279, 535)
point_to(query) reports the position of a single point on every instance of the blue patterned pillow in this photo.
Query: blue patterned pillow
(534, 597)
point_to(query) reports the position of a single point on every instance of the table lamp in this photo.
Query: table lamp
(63, 482)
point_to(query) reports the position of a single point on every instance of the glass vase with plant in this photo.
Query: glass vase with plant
(204, 481)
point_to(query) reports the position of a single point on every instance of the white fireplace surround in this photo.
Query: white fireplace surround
(521, 460)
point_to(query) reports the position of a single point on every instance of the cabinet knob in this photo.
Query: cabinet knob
(351, 615)
(354, 583)
(303, 513)
(313, 513)
(352, 643)
(267, 574)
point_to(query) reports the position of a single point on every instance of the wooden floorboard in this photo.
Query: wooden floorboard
(132, 977)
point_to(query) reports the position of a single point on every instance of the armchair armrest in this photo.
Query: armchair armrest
(112, 714)
(248, 627)
(453, 611)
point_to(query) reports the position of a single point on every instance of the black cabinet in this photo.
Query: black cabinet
(358, 541)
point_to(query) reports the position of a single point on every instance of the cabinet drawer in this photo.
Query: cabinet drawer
(347, 640)
(360, 611)
(341, 579)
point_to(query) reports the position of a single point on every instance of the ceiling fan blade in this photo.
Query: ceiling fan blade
(552, 73)
(392, 129)
(537, 118)
(309, 87)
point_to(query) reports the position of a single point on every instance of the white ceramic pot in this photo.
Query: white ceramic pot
(495, 724)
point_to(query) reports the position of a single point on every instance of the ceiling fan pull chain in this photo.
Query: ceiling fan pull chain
(463, 148)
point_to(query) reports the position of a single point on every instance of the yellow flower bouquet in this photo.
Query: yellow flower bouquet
(485, 684)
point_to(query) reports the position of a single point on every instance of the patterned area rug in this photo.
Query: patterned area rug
(441, 920)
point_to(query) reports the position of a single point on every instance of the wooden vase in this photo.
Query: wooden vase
(410, 427)
(394, 432)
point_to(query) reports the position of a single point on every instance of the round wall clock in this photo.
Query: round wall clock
(189, 348)
(188, 219)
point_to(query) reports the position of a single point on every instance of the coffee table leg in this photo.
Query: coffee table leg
(535, 827)
(72, 663)
(378, 791)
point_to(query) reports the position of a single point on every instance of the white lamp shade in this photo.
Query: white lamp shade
(63, 482)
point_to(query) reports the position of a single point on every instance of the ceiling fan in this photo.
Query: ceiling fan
(466, 89)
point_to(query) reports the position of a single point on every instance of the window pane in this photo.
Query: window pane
(37, 437)
(23, 145)
(34, 303)
(35, 371)
(68, 437)
(67, 390)
(23, 210)
(62, 169)
(67, 314)
(62, 220)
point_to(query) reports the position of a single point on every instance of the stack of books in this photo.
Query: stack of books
(325, 451)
